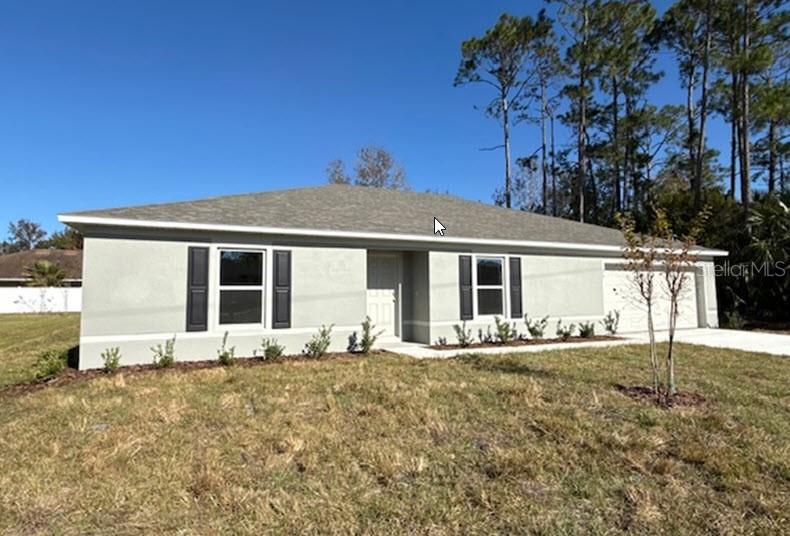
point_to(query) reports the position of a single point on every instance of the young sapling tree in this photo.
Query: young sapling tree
(678, 257)
(641, 261)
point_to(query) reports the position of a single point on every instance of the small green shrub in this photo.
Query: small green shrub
(112, 359)
(270, 349)
(441, 341)
(611, 322)
(734, 320)
(225, 354)
(165, 357)
(505, 332)
(353, 343)
(368, 338)
(564, 332)
(536, 328)
(463, 335)
(487, 337)
(50, 363)
(586, 329)
(319, 343)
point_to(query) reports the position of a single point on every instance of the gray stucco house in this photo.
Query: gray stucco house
(282, 263)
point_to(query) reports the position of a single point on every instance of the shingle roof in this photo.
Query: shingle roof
(364, 209)
(14, 265)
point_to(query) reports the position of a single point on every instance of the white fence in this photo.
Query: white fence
(40, 300)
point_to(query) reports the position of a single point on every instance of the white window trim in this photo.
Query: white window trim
(504, 287)
(263, 288)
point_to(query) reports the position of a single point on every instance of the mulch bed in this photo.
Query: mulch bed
(524, 342)
(70, 375)
(642, 393)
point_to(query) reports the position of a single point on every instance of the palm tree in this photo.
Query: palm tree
(45, 274)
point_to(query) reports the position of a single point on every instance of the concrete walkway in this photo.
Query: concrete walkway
(750, 341)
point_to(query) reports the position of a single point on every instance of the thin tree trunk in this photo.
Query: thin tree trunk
(703, 109)
(740, 143)
(735, 118)
(543, 162)
(506, 132)
(745, 157)
(782, 174)
(630, 157)
(553, 170)
(745, 121)
(593, 191)
(582, 163)
(617, 206)
(673, 310)
(691, 120)
(771, 156)
(582, 134)
(627, 195)
(651, 332)
(733, 44)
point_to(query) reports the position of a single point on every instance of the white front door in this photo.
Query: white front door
(383, 279)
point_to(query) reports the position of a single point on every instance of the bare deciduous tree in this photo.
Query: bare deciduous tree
(661, 253)
(641, 255)
(677, 259)
(375, 166)
(336, 172)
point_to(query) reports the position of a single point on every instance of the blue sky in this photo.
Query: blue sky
(117, 103)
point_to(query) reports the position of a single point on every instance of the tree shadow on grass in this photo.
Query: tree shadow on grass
(507, 365)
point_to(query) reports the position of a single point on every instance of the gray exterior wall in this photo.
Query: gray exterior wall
(570, 287)
(135, 297)
(711, 305)
(133, 287)
(562, 286)
(445, 301)
(416, 296)
(329, 285)
(134, 292)
(566, 287)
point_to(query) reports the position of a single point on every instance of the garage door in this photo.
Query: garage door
(620, 295)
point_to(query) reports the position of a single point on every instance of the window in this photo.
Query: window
(490, 289)
(241, 287)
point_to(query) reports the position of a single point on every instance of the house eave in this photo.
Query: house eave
(74, 219)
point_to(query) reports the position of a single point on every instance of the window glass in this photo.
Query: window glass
(240, 306)
(241, 268)
(489, 301)
(489, 272)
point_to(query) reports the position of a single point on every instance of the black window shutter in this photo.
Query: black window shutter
(281, 314)
(197, 289)
(515, 287)
(465, 285)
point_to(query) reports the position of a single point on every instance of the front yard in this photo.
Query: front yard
(24, 336)
(538, 442)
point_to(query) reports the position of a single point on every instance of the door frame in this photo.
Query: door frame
(398, 306)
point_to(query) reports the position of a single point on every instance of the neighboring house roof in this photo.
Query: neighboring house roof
(14, 265)
(358, 211)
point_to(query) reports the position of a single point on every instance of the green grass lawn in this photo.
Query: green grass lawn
(24, 336)
(386, 444)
